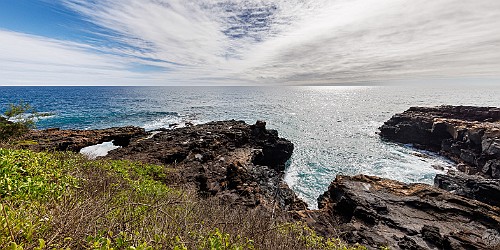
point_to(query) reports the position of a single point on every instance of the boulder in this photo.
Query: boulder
(492, 168)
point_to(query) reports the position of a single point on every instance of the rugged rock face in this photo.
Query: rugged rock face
(74, 140)
(471, 186)
(467, 213)
(231, 160)
(236, 162)
(470, 135)
(381, 212)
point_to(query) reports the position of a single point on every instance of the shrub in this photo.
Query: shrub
(62, 200)
(17, 120)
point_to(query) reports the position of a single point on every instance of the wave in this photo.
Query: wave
(95, 151)
(170, 121)
(45, 115)
(32, 116)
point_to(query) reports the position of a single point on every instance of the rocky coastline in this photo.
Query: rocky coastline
(239, 164)
(243, 165)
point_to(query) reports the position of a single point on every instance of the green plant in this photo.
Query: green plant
(30, 181)
(311, 240)
(216, 240)
(62, 200)
(29, 176)
(17, 120)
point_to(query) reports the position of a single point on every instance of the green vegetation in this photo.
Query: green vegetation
(29, 176)
(64, 201)
(17, 120)
(311, 240)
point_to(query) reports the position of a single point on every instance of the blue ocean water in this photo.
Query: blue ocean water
(333, 128)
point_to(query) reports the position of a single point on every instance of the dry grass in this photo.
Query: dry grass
(126, 205)
(106, 207)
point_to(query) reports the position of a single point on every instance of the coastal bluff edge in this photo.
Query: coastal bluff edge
(243, 165)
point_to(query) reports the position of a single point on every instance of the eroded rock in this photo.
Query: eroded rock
(380, 212)
(471, 186)
(239, 163)
(466, 134)
(75, 140)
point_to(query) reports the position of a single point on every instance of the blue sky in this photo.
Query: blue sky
(251, 42)
(51, 19)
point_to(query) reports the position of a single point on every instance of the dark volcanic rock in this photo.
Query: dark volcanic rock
(231, 160)
(471, 186)
(74, 140)
(466, 134)
(381, 212)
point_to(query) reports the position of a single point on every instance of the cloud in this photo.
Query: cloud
(383, 40)
(274, 41)
(30, 60)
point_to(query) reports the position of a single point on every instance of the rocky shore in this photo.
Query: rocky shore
(74, 140)
(468, 135)
(238, 163)
(243, 165)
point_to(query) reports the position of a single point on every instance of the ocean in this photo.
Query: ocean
(333, 128)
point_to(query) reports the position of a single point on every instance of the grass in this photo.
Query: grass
(64, 201)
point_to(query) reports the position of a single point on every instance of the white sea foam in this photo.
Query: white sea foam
(95, 151)
(45, 115)
(35, 117)
(169, 122)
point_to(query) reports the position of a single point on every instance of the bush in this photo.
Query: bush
(17, 120)
(62, 200)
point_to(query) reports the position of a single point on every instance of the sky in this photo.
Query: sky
(248, 42)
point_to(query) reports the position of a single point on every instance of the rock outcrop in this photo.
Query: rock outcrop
(469, 135)
(74, 140)
(379, 212)
(460, 212)
(238, 163)
(230, 160)
(470, 186)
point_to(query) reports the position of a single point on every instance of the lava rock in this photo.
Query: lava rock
(383, 212)
(74, 140)
(465, 134)
(470, 186)
(249, 174)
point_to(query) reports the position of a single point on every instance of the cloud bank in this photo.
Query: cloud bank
(264, 42)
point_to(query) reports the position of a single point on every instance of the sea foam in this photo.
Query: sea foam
(95, 151)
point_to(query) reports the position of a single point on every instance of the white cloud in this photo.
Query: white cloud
(34, 60)
(274, 41)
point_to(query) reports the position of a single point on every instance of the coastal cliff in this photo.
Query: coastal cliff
(242, 165)
(461, 211)
(468, 135)
(239, 164)
(377, 212)
(75, 140)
